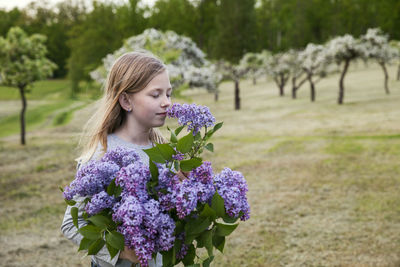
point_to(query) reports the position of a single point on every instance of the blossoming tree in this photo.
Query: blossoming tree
(314, 63)
(344, 49)
(278, 67)
(255, 62)
(186, 63)
(396, 45)
(233, 72)
(378, 48)
(23, 61)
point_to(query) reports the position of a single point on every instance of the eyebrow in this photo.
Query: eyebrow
(161, 89)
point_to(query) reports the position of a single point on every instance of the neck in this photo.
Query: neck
(133, 133)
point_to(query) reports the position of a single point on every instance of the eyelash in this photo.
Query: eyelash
(155, 96)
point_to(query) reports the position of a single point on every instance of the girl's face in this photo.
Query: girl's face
(150, 104)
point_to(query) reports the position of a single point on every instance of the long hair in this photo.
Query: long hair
(130, 73)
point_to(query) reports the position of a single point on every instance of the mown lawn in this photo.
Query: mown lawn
(323, 179)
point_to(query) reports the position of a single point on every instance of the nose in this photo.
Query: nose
(166, 102)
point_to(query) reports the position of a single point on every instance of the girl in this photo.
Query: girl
(137, 95)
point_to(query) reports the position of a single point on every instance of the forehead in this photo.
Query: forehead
(160, 82)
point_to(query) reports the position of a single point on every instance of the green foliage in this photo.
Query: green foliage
(23, 59)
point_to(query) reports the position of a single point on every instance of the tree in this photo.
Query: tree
(396, 45)
(97, 35)
(378, 48)
(254, 63)
(314, 62)
(344, 49)
(186, 63)
(278, 67)
(232, 72)
(23, 61)
(235, 23)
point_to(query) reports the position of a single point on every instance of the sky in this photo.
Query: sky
(10, 4)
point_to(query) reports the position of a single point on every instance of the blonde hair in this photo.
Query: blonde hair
(130, 73)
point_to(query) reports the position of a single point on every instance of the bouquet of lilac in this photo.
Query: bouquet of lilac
(150, 209)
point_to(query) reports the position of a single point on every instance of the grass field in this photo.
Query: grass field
(323, 179)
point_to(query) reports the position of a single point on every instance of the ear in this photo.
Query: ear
(125, 101)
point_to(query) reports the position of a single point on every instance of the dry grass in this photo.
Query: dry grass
(323, 179)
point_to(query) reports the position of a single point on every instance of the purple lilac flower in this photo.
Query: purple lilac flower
(91, 179)
(167, 181)
(184, 248)
(197, 188)
(145, 228)
(99, 202)
(121, 156)
(232, 187)
(193, 116)
(178, 156)
(133, 179)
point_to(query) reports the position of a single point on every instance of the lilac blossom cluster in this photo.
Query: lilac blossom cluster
(232, 187)
(145, 226)
(193, 116)
(99, 202)
(91, 179)
(198, 188)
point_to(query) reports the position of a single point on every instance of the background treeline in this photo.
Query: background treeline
(79, 36)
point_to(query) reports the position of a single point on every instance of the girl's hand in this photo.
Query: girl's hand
(182, 175)
(129, 254)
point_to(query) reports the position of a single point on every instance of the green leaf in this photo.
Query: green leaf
(61, 189)
(111, 188)
(178, 130)
(190, 164)
(118, 191)
(189, 257)
(197, 136)
(197, 226)
(189, 238)
(208, 212)
(173, 138)
(205, 240)
(219, 242)
(185, 143)
(153, 170)
(74, 214)
(116, 240)
(225, 229)
(85, 244)
(167, 257)
(207, 262)
(229, 219)
(70, 202)
(90, 232)
(113, 251)
(210, 147)
(166, 151)
(155, 155)
(217, 204)
(218, 126)
(101, 221)
(96, 246)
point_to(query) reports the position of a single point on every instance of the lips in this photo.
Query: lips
(162, 113)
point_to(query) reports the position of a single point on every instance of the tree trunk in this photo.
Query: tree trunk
(216, 94)
(398, 72)
(341, 84)
(254, 80)
(22, 115)
(386, 77)
(312, 88)
(281, 86)
(237, 96)
(294, 88)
